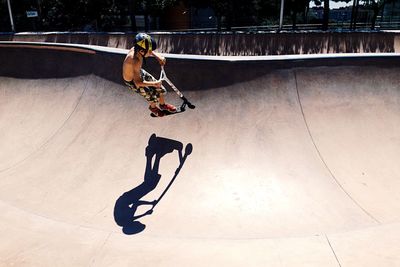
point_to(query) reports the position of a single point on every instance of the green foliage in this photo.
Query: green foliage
(82, 14)
(376, 4)
(75, 15)
(157, 6)
(4, 17)
(107, 15)
(267, 11)
(235, 12)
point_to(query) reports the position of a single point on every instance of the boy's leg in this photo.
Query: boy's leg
(155, 110)
(151, 98)
(152, 104)
(163, 105)
(168, 107)
(157, 95)
(162, 99)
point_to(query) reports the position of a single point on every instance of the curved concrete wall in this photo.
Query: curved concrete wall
(289, 167)
(244, 44)
(33, 60)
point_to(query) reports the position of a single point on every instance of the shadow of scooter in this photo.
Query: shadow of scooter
(127, 204)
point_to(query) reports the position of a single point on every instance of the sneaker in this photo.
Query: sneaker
(168, 107)
(156, 111)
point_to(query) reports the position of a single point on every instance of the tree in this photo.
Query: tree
(235, 12)
(72, 15)
(155, 8)
(220, 9)
(131, 9)
(325, 23)
(354, 12)
(4, 17)
(267, 11)
(295, 7)
(376, 6)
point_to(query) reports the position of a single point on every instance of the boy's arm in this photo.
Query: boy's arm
(162, 60)
(149, 212)
(139, 82)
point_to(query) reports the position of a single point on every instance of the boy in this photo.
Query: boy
(141, 81)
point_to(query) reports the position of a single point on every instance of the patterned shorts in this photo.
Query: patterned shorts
(151, 94)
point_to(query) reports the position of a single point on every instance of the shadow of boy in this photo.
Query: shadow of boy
(127, 204)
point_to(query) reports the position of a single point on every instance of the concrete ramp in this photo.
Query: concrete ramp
(295, 167)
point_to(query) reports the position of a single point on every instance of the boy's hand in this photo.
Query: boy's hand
(162, 60)
(157, 84)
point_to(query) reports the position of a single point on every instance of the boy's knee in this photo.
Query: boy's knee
(162, 91)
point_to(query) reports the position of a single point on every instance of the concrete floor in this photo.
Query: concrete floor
(298, 167)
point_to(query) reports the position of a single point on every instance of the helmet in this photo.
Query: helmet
(145, 42)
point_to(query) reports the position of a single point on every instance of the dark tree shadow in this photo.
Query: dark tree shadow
(127, 204)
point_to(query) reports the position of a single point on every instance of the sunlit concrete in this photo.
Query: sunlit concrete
(298, 167)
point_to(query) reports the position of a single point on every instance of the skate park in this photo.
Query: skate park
(293, 161)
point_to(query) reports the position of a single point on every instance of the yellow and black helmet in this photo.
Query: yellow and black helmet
(145, 42)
